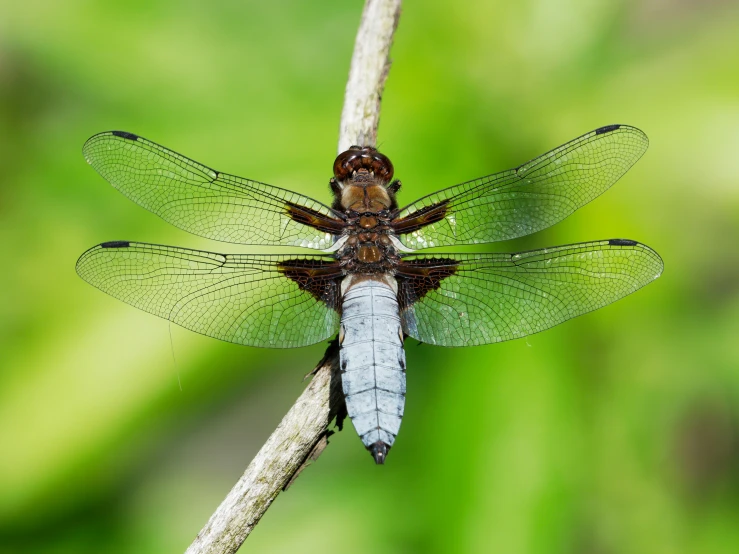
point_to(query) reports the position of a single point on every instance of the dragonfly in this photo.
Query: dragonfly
(367, 282)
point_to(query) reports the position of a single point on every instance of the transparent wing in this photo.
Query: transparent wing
(256, 300)
(524, 200)
(206, 202)
(464, 300)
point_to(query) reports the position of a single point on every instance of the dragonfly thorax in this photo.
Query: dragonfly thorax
(369, 247)
(361, 198)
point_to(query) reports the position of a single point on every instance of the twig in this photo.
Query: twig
(302, 433)
(370, 67)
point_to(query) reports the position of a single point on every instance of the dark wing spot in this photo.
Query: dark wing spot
(622, 242)
(425, 216)
(418, 277)
(125, 135)
(116, 244)
(312, 218)
(322, 279)
(606, 129)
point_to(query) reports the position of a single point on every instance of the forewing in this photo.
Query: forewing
(471, 299)
(526, 199)
(257, 300)
(206, 202)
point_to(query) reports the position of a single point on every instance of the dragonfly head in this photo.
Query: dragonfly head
(361, 181)
(363, 160)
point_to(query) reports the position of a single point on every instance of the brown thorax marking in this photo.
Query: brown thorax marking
(368, 247)
(362, 195)
(367, 221)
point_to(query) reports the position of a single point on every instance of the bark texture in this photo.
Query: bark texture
(369, 69)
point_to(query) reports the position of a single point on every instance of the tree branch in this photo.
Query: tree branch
(301, 435)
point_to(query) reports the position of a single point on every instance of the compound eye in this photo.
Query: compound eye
(365, 157)
(345, 161)
(382, 166)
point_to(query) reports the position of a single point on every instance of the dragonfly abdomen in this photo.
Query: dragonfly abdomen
(373, 363)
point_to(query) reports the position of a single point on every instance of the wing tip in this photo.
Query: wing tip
(120, 134)
(110, 244)
(657, 258)
(626, 128)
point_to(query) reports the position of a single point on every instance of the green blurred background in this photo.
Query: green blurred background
(612, 433)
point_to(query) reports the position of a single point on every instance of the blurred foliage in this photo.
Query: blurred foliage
(613, 433)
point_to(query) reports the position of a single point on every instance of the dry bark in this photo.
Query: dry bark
(369, 69)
